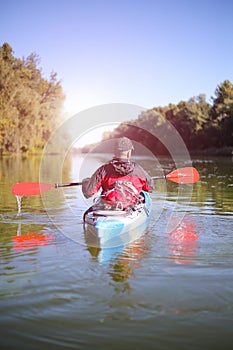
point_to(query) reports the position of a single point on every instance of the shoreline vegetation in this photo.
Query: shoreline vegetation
(209, 152)
(31, 108)
(214, 152)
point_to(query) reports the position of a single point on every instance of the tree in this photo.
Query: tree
(200, 124)
(30, 105)
(221, 114)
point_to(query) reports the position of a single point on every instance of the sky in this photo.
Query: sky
(144, 52)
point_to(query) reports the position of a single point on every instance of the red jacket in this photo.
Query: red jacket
(115, 170)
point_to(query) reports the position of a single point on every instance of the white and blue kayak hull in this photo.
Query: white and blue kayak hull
(112, 229)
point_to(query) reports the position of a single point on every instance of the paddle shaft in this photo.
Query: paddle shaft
(158, 177)
(68, 185)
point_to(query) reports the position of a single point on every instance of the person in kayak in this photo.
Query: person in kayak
(121, 180)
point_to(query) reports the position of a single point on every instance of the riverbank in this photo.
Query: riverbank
(214, 152)
(209, 152)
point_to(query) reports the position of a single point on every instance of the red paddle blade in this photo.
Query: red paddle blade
(188, 175)
(30, 188)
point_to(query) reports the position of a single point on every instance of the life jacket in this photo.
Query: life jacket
(121, 195)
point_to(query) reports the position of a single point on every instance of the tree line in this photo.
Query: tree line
(30, 105)
(203, 126)
(31, 108)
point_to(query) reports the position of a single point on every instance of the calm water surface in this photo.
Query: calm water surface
(170, 289)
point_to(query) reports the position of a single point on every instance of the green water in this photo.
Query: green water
(170, 289)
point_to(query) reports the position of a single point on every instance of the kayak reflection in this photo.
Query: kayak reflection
(129, 260)
(122, 259)
(183, 241)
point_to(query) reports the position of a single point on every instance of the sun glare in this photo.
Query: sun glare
(94, 135)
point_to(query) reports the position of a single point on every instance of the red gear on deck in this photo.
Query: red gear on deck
(117, 170)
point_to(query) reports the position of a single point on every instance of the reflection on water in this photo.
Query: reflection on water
(30, 240)
(166, 290)
(183, 241)
(124, 265)
(122, 260)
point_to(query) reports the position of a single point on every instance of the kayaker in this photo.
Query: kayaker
(121, 180)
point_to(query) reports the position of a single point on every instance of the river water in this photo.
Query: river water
(172, 288)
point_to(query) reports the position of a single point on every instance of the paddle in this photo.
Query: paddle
(186, 175)
(35, 188)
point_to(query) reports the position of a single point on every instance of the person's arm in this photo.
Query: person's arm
(148, 185)
(150, 182)
(91, 185)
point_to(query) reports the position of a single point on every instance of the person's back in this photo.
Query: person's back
(121, 180)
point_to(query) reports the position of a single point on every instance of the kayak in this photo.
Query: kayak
(116, 228)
